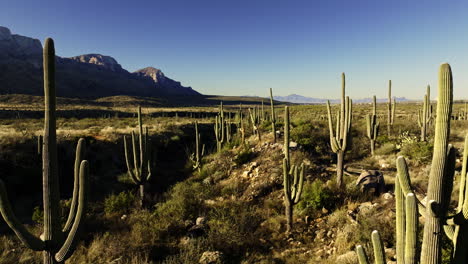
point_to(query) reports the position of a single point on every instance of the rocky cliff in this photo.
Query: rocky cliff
(84, 76)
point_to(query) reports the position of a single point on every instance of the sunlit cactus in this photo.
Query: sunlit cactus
(372, 126)
(140, 169)
(56, 243)
(339, 140)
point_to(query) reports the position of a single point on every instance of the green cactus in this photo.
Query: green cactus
(425, 115)
(57, 244)
(438, 194)
(196, 157)
(379, 253)
(140, 169)
(391, 109)
(273, 119)
(293, 177)
(255, 120)
(219, 128)
(40, 142)
(372, 126)
(339, 140)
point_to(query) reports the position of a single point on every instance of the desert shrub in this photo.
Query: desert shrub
(315, 196)
(386, 149)
(244, 156)
(419, 151)
(313, 138)
(121, 203)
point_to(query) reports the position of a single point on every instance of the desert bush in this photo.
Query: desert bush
(315, 196)
(121, 203)
(386, 149)
(418, 151)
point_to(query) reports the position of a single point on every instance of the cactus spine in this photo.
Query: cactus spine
(273, 119)
(339, 141)
(140, 171)
(293, 177)
(57, 244)
(372, 126)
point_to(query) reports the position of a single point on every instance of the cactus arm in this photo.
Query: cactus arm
(400, 220)
(300, 184)
(147, 156)
(70, 242)
(405, 182)
(130, 170)
(449, 231)
(80, 149)
(379, 253)
(343, 107)
(141, 140)
(136, 162)
(347, 124)
(333, 142)
(461, 192)
(448, 179)
(362, 257)
(287, 192)
(411, 237)
(21, 232)
(369, 126)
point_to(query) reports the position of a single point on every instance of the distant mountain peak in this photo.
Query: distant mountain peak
(107, 62)
(155, 74)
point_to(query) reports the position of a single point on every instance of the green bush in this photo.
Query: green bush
(315, 196)
(121, 203)
(420, 151)
(244, 156)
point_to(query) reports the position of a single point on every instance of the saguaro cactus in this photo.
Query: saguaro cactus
(379, 253)
(273, 119)
(391, 109)
(140, 171)
(438, 194)
(293, 177)
(57, 244)
(219, 128)
(372, 126)
(196, 157)
(255, 120)
(339, 141)
(425, 114)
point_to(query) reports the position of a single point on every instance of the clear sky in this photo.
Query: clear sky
(244, 47)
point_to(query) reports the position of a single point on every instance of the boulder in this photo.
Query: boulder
(371, 181)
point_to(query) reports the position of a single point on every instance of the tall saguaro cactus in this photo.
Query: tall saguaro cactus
(425, 114)
(273, 118)
(372, 126)
(140, 171)
(339, 140)
(219, 128)
(293, 177)
(196, 156)
(390, 109)
(57, 244)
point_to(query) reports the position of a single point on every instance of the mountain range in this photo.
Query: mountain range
(299, 99)
(83, 76)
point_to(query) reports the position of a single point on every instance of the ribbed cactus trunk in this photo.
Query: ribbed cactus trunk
(339, 167)
(431, 248)
(389, 109)
(50, 184)
(273, 119)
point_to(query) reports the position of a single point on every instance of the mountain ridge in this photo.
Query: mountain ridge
(83, 76)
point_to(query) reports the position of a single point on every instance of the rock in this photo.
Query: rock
(123, 217)
(5, 34)
(349, 257)
(324, 210)
(200, 220)
(293, 145)
(106, 62)
(329, 233)
(211, 257)
(387, 196)
(371, 181)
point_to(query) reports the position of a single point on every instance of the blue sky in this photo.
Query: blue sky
(245, 47)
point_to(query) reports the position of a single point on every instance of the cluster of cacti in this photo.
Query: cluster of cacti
(340, 140)
(272, 116)
(425, 115)
(435, 212)
(196, 157)
(256, 121)
(293, 177)
(140, 169)
(379, 252)
(57, 244)
(372, 126)
(390, 109)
